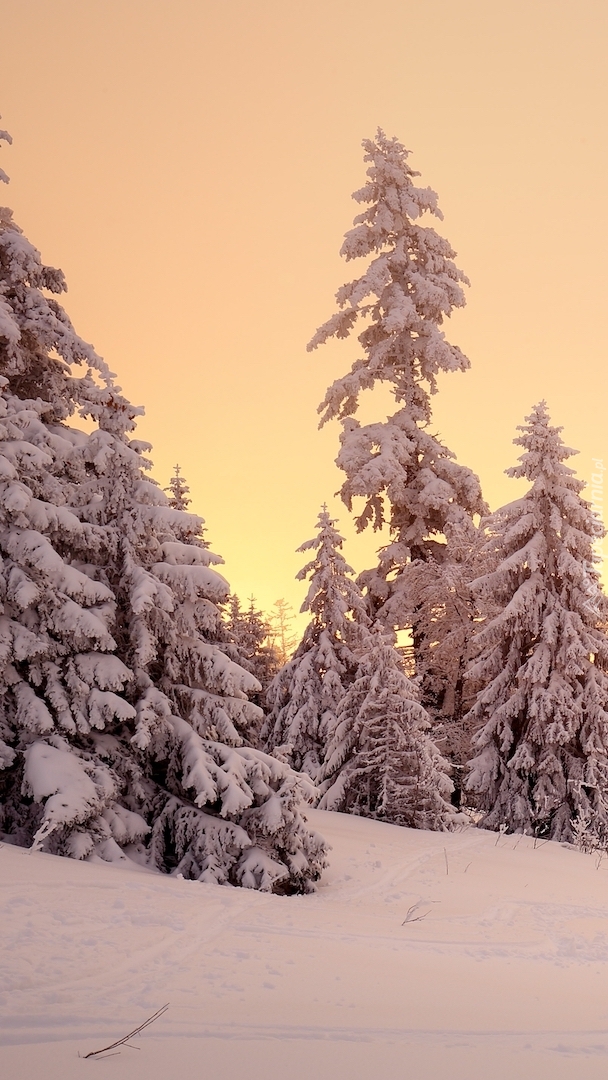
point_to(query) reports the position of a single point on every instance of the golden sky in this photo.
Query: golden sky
(189, 165)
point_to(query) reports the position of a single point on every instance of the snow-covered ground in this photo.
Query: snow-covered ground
(421, 956)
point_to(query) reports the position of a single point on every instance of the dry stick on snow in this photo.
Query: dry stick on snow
(418, 918)
(447, 869)
(538, 842)
(125, 1040)
(502, 829)
(410, 919)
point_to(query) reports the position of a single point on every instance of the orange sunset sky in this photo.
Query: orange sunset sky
(189, 166)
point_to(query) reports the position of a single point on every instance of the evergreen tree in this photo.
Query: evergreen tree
(409, 287)
(381, 761)
(60, 677)
(124, 716)
(542, 714)
(252, 634)
(178, 491)
(220, 810)
(304, 695)
(447, 618)
(282, 633)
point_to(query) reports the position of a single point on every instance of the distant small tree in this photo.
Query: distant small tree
(178, 491)
(284, 639)
(252, 634)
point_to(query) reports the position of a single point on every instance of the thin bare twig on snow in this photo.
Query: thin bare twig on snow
(125, 1039)
(409, 917)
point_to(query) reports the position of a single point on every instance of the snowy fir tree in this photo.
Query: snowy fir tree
(381, 761)
(405, 475)
(541, 759)
(124, 719)
(178, 490)
(220, 810)
(60, 677)
(447, 616)
(305, 694)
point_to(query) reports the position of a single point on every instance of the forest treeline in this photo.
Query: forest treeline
(149, 713)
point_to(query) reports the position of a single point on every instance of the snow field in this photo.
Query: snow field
(421, 955)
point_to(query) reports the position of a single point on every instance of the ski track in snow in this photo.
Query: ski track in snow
(462, 952)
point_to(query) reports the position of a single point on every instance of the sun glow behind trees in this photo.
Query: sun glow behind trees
(200, 187)
(414, 284)
(171, 692)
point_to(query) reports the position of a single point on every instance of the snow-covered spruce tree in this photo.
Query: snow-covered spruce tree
(60, 678)
(381, 761)
(447, 617)
(178, 490)
(219, 809)
(124, 716)
(304, 695)
(409, 287)
(542, 715)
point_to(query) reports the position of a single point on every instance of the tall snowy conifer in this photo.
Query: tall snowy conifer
(542, 715)
(409, 287)
(381, 761)
(60, 678)
(124, 717)
(304, 696)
